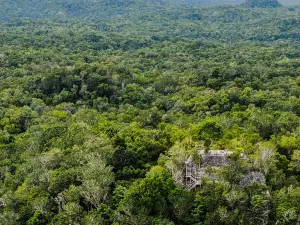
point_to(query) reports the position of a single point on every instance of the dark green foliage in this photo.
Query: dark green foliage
(208, 131)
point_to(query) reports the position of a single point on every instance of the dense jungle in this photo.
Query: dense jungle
(103, 101)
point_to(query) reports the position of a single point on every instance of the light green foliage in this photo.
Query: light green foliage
(295, 163)
(96, 179)
(287, 207)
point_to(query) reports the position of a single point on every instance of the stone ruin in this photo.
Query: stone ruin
(215, 159)
(194, 173)
(252, 178)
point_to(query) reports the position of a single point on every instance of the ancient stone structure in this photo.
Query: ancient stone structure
(214, 159)
(252, 178)
(217, 158)
(194, 173)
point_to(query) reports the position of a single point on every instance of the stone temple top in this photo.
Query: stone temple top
(194, 173)
(216, 158)
(215, 152)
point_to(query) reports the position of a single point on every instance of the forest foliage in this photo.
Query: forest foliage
(99, 100)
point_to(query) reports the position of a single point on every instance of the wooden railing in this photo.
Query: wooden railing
(192, 182)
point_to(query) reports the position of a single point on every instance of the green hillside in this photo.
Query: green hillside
(70, 8)
(263, 3)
